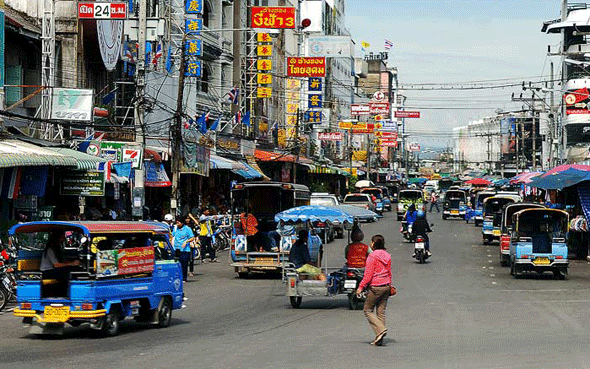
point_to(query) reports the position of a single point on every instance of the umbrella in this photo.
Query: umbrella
(313, 213)
(364, 183)
(524, 177)
(559, 180)
(479, 182)
(564, 167)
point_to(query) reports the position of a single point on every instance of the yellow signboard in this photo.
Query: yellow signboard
(292, 108)
(293, 84)
(291, 120)
(264, 64)
(282, 139)
(264, 92)
(345, 125)
(293, 96)
(264, 50)
(264, 78)
(263, 37)
(359, 155)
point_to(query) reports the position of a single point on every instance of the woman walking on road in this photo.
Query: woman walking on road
(377, 278)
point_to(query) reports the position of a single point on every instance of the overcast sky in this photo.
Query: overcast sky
(457, 41)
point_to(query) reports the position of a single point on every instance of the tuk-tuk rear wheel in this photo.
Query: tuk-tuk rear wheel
(3, 299)
(295, 301)
(111, 324)
(165, 312)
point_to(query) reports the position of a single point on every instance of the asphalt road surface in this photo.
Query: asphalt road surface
(460, 310)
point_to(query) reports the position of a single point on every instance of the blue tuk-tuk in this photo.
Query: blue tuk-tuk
(96, 273)
(492, 216)
(538, 242)
(476, 210)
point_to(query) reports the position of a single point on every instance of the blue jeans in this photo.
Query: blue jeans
(434, 204)
(184, 260)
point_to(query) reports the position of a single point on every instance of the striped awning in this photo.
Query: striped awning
(84, 161)
(217, 162)
(16, 153)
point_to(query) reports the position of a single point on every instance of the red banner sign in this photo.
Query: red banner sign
(388, 144)
(407, 114)
(360, 109)
(102, 10)
(306, 67)
(330, 136)
(363, 128)
(576, 101)
(125, 261)
(272, 17)
(379, 108)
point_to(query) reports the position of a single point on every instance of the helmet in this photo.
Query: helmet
(420, 214)
(357, 235)
(168, 217)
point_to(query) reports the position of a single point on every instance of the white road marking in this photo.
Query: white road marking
(492, 275)
(490, 261)
(494, 283)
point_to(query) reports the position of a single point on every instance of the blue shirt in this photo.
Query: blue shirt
(411, 216)
(181, 235)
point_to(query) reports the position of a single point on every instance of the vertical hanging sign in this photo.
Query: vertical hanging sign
(264, 65)
(193, 48)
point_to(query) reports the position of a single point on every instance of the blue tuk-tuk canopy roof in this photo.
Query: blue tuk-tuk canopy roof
(314, 213)
(560, 180)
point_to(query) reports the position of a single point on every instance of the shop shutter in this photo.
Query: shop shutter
(584, 193)
(14, 76)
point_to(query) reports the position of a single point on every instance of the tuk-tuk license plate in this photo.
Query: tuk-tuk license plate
(454, 211)
(54, 314)
(350, 284)
(496, 232)
(542, 261)
(264, 261)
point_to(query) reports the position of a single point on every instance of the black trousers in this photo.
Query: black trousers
(206, 247)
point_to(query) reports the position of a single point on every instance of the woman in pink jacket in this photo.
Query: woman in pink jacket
(377, 278)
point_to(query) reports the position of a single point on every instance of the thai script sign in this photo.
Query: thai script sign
(379, 108)
(80, 183)
(360, 109)
(134, 260)
(102, 10)
(330, 136)
(306, 67)
(577, 101)
(72, 104)
(272, 17)
(407, 114)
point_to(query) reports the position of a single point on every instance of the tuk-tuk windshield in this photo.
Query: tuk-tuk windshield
(495, 205)
(532, 223)
(373, 191)
(410, 195)
(510, 210)
(481, 197)
(454, 195)
(37, 241)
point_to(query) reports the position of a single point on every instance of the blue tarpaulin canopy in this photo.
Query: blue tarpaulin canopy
(559, 180)
(313, 213)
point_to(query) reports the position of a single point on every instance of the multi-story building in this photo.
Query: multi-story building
(572, 131)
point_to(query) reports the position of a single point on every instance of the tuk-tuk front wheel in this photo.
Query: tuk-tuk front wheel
(295, 301)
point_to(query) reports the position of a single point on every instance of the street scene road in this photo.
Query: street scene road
(461, 309)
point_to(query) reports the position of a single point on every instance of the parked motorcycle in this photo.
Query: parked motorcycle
(420, 252)
(7, 285)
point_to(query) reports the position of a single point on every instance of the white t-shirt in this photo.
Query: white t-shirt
(48, 260)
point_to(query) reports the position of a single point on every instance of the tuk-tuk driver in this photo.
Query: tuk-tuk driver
(52, 264)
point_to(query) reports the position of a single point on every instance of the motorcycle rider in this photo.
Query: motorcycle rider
(409, 217)
(422, 228)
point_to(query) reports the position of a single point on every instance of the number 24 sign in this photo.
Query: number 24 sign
(102, 10)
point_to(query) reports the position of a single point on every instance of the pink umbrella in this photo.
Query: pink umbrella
(563, 167)
(525, 177)
(479, 182)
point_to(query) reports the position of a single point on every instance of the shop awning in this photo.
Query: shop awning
(249, 172)
(84, 161)
(16, 153)
(559, 180)
(217, 162)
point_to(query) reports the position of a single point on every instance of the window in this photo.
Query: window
(206, 14)
(205, 77)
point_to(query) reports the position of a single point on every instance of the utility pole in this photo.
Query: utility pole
(297, 148)
(138, 186)
(177, 131)
(553, 114)
(534, 134)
